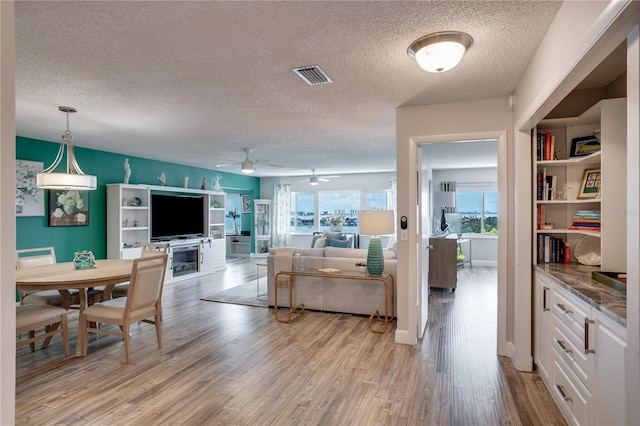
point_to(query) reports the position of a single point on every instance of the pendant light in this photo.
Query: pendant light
(439, 52)
(74, 177)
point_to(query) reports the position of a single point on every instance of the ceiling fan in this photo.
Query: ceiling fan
(314, 180)
(248, 165)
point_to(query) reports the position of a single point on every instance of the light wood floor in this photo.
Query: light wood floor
(231, 364)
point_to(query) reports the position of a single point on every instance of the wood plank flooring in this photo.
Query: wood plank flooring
(231, 364)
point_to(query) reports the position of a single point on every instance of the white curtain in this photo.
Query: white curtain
(281, 215)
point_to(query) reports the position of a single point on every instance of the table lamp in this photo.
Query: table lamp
(375, 223)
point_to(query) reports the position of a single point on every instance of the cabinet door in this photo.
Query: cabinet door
(543, 328)
(611, 360)
(206, 256)
(443, 263)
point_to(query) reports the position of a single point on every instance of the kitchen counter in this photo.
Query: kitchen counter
(577, 279)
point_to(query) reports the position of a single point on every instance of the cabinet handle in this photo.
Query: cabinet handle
(171, 263)
(201, 258)
(563, 394)
(544, 298)
(564, 309)
(587, 349)
(563, 347)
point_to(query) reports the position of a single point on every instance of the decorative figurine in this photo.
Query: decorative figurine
(127, 171)
(204, 183)
(185, 181)
(163, 179)
(216, 183)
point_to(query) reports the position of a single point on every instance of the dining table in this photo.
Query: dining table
(64, 277)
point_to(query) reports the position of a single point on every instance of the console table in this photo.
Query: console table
(385, 279)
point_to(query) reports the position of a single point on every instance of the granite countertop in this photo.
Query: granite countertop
(577, 280)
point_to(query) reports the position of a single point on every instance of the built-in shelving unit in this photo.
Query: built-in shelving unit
(556, 208)
(129, 226)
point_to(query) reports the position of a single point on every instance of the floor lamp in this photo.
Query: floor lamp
(375, 223)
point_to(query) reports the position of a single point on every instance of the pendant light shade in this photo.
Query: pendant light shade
(74, 178)
(247, 167)
(439, 52)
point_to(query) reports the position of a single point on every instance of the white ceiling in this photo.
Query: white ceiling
(195, 82)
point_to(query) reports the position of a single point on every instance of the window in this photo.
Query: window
(313, 211)
(303, 208)
(478, 212)
(344, 203)
(234, 207)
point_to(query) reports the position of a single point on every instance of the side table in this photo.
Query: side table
(258, 265)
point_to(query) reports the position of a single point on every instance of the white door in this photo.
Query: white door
(424, 228)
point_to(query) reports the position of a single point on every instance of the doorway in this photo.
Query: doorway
(479, 164)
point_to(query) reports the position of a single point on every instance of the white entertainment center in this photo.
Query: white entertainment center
(130, 219)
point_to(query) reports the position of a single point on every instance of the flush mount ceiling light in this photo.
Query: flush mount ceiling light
(74, 177)
(439, 52)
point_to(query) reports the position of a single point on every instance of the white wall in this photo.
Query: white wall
(488, 118)
(7, 215)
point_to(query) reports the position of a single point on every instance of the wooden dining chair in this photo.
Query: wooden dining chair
(30, 318)
(29, 258)
(149, 249)
(142, 303)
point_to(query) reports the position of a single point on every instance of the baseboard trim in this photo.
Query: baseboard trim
(405, 338)
(493, 263)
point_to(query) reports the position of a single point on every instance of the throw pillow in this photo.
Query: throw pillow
(338, 243)
(320, 243)
(333, 235)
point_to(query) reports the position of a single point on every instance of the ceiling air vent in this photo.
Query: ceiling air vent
(312, 75)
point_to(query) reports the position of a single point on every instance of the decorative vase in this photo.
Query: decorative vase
(336, 228)
(67, 208)
(83, 260)
(375, 258)
(185, 181)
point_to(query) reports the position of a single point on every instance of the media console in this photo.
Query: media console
(130, 224)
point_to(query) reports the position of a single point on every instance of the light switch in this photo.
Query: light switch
(404, 234)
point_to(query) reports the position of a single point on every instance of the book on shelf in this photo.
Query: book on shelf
(552, 249)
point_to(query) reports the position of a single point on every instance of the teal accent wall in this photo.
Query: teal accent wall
(109, 168)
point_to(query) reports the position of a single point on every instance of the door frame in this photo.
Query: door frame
(504, 220)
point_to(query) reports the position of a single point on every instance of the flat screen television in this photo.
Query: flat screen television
(176, 216)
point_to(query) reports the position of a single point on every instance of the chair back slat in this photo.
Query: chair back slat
(154, 249)
(147, 280)
(29, 258)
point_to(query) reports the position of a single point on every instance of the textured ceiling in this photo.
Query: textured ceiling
(195, 82)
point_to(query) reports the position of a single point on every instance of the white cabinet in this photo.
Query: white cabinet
(127, 220)
(129, 226)
(581, 356)
(542, 338)
(558, 207)
(217, 202)
(262, 227)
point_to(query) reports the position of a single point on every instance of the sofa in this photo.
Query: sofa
(330, 294)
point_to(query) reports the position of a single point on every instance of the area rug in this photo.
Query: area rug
(244, 294)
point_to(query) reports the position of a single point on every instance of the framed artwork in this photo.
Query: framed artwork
(584, 146)
(68, 208)
(590, 187)
(246, 204)
(29, 198)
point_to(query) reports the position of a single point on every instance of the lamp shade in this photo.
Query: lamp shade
(439, 52)
(376, 222)
(66, 181)
(444, 199)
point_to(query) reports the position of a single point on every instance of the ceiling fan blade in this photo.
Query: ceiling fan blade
(273, 165)
(323, 179)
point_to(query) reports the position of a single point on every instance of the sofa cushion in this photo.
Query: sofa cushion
(340, 252)
(335, 235)
(339, 243)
